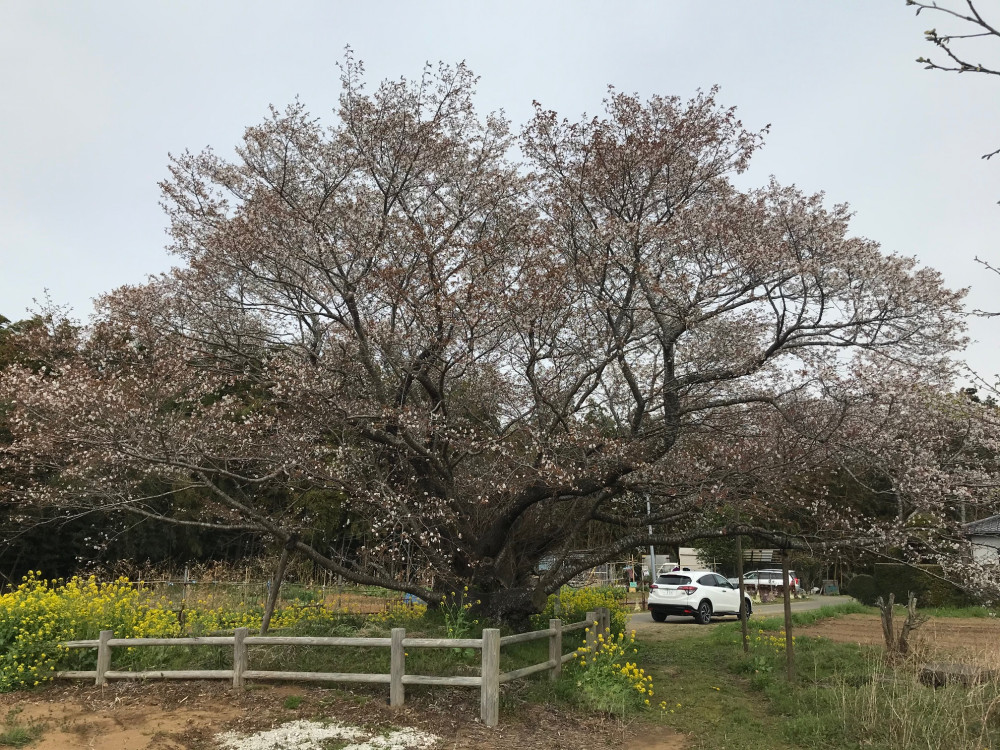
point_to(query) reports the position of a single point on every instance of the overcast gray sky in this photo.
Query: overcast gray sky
(93, 95)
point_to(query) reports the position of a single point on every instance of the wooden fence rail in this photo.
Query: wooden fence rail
(488, 681)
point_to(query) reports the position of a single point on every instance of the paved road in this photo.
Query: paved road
(643, 619)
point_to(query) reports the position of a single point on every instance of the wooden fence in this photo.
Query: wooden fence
(488, 681)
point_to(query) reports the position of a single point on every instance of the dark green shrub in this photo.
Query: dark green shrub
(864, 589)
(922, 580)
(293, 592)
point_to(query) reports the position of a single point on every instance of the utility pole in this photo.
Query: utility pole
(652, 554)
(789, 642)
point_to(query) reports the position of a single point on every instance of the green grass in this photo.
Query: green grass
(294, 592)
(19, 736)
(708, 699)
(15, 734)
(808, 617)
(850, 608)
(953, 611)
(378, 591)
(844, 697)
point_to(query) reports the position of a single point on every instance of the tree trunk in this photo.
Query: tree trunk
(272, 595)
(511, 606)
(911, 623)
(888, 628)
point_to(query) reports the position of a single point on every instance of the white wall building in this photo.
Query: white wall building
(985, 538)
(689, 559)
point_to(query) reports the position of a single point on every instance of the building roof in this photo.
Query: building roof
(985, 527)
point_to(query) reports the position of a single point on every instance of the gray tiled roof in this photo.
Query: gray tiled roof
(986, 527)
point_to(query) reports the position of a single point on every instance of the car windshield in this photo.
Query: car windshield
(673, 580)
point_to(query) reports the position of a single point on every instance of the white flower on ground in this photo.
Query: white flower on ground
(308, 735)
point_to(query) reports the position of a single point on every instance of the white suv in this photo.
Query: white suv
(699, 593)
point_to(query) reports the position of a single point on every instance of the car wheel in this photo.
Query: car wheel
(659, 616)
(704, 615)
(749, 609)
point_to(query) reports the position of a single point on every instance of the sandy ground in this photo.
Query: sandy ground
(110, 722)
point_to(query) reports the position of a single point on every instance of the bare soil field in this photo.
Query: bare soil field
(355, 603)
(959, 636)
(188, 716)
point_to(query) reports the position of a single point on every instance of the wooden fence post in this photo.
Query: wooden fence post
(489, 696)
(592, 632)
(397, 692)
(605, 622)
(555, 649)
(103, 656)
(240, 656)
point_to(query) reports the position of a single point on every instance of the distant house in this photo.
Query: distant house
(689, 559)
(985, 538)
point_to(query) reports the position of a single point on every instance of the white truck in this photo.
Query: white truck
(767, 579)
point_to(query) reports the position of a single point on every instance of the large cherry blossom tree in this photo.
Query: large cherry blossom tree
(484, 349)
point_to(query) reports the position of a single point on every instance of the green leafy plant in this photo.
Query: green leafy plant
(297, 593)
(16, 734)
(609, 679)
(572, 605)
(458, 619)
(37, 615)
